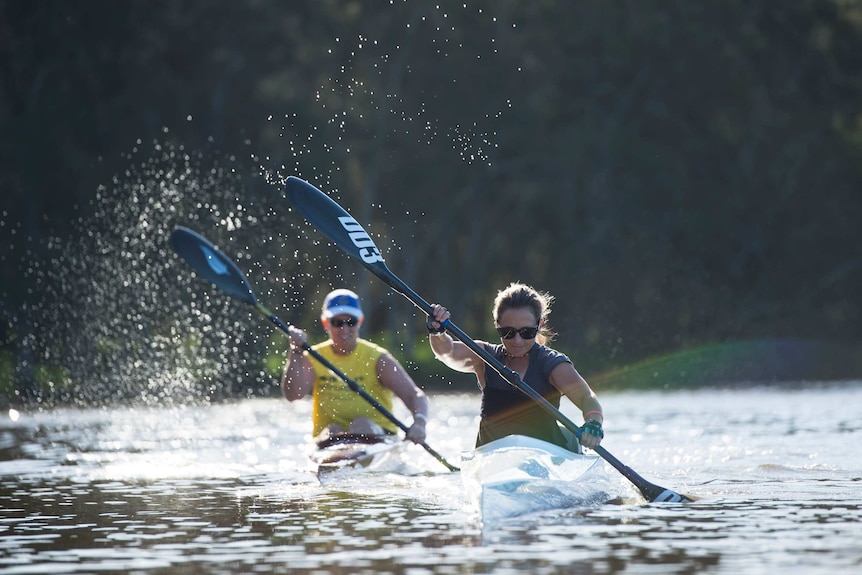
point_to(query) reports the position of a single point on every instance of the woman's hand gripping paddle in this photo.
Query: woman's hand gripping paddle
(345, 232)
(209, 262)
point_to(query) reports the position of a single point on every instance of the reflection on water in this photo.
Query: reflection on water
(230, 489)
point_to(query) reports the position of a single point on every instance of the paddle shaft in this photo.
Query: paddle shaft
(351, 384)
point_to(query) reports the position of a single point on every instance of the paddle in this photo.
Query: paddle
(212, 264)
(345, 232)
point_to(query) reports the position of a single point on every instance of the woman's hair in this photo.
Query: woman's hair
(517, 296)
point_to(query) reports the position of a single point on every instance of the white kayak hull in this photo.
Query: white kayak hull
(518, 475)
(354, 451)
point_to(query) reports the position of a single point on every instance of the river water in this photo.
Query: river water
(229, 488)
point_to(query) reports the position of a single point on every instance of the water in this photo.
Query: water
(229, 488)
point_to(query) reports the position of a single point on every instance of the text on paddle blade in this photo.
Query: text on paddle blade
(368, 252)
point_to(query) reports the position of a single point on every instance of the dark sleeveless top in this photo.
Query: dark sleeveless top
(506, 410)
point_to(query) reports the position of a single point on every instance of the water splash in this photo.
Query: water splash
(120, 318)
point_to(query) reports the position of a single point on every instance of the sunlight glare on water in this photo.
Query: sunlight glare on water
(230, 488)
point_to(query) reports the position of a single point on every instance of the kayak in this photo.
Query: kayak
(354, 451)
(517, 475)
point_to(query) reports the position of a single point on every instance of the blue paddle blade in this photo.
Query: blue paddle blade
(209, 262)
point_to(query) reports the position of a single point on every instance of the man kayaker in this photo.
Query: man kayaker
(337, 408)
(520, 317)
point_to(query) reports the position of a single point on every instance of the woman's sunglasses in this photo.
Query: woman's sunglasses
(350, 322)
(524, 332)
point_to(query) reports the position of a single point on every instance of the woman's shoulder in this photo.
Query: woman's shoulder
(551, 356)
(495, 349)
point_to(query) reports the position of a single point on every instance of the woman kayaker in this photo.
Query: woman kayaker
(520, 316)
(337, 408)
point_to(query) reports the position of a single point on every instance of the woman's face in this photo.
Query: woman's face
(518, 318)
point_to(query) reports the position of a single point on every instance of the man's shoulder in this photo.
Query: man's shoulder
(322, 346)
(371, 347)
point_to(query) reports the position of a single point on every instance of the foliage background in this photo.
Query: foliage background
(683, 177)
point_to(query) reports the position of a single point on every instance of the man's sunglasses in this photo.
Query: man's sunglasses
(350, 322)
(524, 332)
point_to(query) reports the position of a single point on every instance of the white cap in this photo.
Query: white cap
(342, 301)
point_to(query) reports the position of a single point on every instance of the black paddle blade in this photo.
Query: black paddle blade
(658, 494)
(668, 496)
(332, 221)
(209, 262)
(653, 492)
(335, 223)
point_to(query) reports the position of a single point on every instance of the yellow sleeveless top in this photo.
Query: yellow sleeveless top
(334, 401)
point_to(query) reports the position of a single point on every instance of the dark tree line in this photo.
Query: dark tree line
(675, 173)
